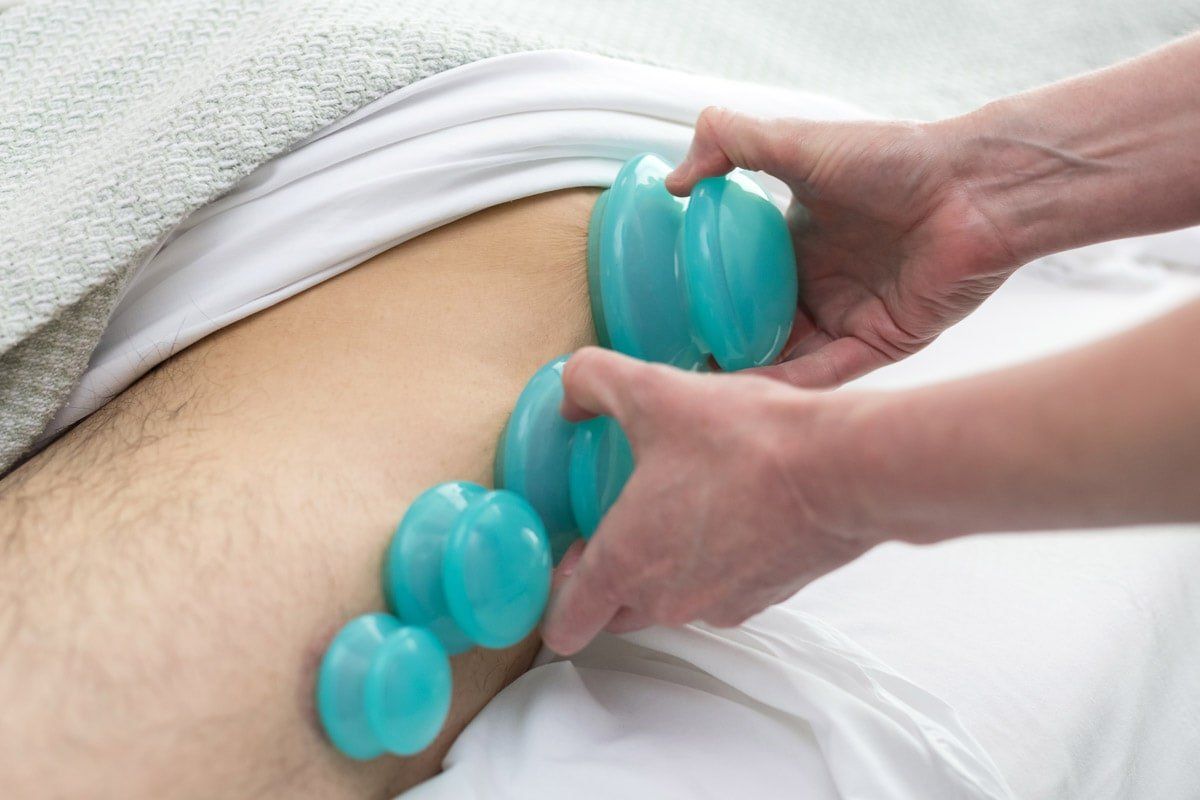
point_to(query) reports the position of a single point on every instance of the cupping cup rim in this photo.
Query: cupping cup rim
(407, 605)
(705, 273)
(584, 472)
(612, 229)
(438, 708)
(455, 570)
(701, 262)
(525, 430)
(333, 670)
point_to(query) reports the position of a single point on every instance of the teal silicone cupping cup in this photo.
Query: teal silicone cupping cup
(383, 687)
(470, 564)
(533, 454)
(636, 297)
(676, 281)
(570, 473)
(466, 566)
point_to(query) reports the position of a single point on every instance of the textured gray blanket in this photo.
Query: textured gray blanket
(117, 119)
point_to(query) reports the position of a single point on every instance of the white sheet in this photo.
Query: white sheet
(783, 706)
(1070, 658)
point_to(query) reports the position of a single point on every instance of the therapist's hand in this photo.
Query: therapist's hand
(723, 515)
(893, 247)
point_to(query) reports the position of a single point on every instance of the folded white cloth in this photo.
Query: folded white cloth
(783, 706)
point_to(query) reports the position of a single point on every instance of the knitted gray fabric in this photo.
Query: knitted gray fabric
(118, 119)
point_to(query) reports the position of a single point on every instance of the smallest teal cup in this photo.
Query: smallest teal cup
(383, 687)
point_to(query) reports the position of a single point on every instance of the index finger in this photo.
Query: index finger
(724, 139)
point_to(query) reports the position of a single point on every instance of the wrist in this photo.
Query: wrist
(1043, 186)
(845, 463)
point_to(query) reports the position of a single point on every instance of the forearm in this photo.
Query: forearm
(1109, 154)
(1102, 436)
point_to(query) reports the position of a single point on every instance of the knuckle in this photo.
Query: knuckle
(578, 363)
(625, 561)
(712, 116)
(645, 390)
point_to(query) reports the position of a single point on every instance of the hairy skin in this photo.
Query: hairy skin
(173, 568)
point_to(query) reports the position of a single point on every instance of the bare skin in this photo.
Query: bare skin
(173, 568)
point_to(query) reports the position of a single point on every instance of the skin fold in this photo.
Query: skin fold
(173, 568)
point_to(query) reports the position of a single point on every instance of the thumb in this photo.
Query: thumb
(726, 139)
(599, 381)
(601, 582)
(827, 366)
(583, 602)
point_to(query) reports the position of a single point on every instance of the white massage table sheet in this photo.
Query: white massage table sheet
(1067, 658)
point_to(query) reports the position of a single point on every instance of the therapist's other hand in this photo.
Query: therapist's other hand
(722, 517)
(891, 244)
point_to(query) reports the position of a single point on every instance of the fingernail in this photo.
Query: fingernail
(552, 634)
(677, 179)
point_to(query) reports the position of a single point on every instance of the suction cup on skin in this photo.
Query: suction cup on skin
(497, 570)
(533, 453)
(466, 566)
(383, 687)
(635, 294)
(471, 565)
(570, 473)
(674, 281)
